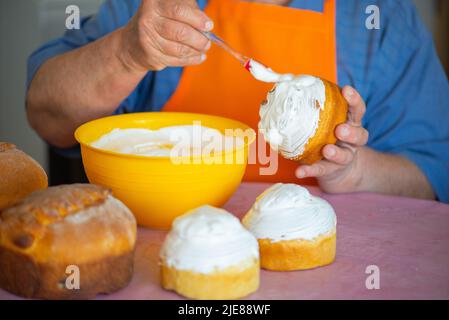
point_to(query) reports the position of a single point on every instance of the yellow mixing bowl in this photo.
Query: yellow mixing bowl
(158, 189)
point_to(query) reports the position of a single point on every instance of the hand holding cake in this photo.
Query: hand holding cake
(307, 119)
(344, 163)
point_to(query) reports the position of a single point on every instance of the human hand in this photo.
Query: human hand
(165, 33)
(340, 170)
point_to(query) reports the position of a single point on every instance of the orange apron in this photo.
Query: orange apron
(286, 39)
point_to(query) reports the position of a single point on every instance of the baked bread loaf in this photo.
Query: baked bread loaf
(19, 175)
(77, 225)
(209, 255)
(300, 115)
(295, 229)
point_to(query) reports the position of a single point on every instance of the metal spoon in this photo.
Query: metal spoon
(217, 40)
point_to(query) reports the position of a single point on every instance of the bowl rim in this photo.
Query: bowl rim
(154, 158)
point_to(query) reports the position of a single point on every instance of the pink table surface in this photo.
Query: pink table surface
(407, 239)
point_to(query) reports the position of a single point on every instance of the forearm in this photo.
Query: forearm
(391, 174)
(81, 85)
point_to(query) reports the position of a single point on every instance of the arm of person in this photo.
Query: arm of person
(78, 86)
(393, 174)
(91, 81)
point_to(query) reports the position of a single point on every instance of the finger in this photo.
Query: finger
(182, 33)
(357, 136)
(186, 13)
(176, 49)
(338, 155)
(184, 61)
(357, 107)
(317, 170)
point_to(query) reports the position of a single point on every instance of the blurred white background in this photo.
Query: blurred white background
(25, 24)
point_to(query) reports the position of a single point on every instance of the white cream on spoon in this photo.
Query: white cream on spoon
(265, 74)
(258, 70)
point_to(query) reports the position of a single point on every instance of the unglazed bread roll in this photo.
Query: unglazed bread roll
(78, 225)
(300, 115)
(19, 175)
(295, 230)
(208, 254)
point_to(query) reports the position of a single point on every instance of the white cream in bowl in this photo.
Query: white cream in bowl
(184, 140)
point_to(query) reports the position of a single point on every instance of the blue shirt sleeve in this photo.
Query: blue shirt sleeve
(112, 15)
(398, 73)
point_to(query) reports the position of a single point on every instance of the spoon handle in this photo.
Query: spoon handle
(217, 40)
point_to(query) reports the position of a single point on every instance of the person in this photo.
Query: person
(152, 55)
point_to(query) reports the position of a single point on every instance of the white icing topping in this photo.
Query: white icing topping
(290, 116)
(262, 73)
(289, 212)
(208, 239)
(169, 141)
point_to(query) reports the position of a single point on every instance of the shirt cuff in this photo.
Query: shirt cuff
(436, 171)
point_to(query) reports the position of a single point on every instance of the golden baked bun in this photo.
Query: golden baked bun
(295, 230)
(19, 175)
(209, 255)
(334, 113)
(300, 116)
(231, 283)
(290, 255)
(78, 225)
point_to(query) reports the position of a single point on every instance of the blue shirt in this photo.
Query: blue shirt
(395, 68)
